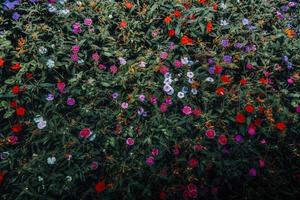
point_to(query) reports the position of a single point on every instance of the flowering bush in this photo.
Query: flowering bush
(149, 99)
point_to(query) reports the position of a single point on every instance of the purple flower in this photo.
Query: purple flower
(211, 61)
(10, 5)
(142, 97)
(70, 101)
(239, 138)
(50, 97)
(76, 28)
(298, 109)
(115, 95)
(141, 111)
(245, 21)
(227, 58)
(252, 172)
(211, 70)
(124, 105)
(225, 43)
(16, 16)
(88, 21)
(238, 45)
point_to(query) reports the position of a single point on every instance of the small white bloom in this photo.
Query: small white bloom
(68, 178)
(180, 95)
(167, 88)
(80, 61)
(79, 3)
(194, 91)
(184, 60)
(209, 79)
(170, 92)
(42, 124)
(52, 9)
(110, 16)
(223, 22)
(50, 63)
(168, 81)
(38, 118)
(92, 137)
(190, 74)
(40, 179)
(43, 50)
(51, 160)
(168, 75)
(122, 61)
(142, 64)
(191, 80)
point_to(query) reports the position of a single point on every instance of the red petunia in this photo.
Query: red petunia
(218, 69)
(209, 27)
(2, 62)
(171, 32)
(240, 118)
(15, 67)
(15, 89)
(281, 126)
(2, 175)
(220, 91)
(215, 6)
(185, 40)
(20, 111)
(222, 140)
(196, 112)
(225, 78)
(162, 195)
(177, 13)
(123, 24)
(100, 186)
(16, 128)
(167, 19)
(13, 104)
(263, 81)
(243, 81)
(128, 5)
(249, 108)
(202, 1)
(29, 75)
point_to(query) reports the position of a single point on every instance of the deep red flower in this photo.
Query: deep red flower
(162, 195)
(240, 118)
(249, 108)
(15, 89)
(185, 40)
(197, 112)
(193, 163)
(226, 78)
(243, 81)
(100, 186)
(202, 1)
(209, 27)
(16, 128)
(220, 91)
(29, 75)
(222, 140)
(258, 122)
(215, 6)
(128, 5)
(261, 109)
(13, 104)
(171, 32)
(281, 126)
(2, 175)
(15, 67)
(2, 62)
(20, 111)
(218, 69)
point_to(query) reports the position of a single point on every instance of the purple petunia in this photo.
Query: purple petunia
(10, 5)
(227, 58)
(16, 16)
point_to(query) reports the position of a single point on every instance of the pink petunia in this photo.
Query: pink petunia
(187, 110)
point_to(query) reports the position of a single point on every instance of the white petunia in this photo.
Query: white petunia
(50, 63)
(190, 74)
(180, 95)
(51, 160)
(42, 124)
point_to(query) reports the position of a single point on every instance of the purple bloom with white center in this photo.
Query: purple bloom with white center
(16, 16)
(142, 97)
(225, 43)
(115, 95)
(141, 111)
(50, 97)
(227, 58)
(70, 101)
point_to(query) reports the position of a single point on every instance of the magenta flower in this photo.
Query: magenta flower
(102, 66)
(76, 28)
(252, 172)
(70, 101)
(113, 69)
(163, 107)
(164, 55)
(74, 57)
(94, 165)
(130, 141)
(95, 57)
(85, 133)
(210, 133)
(88, 21)
(150, 161)
(298, 109)
(153, 100)
(124, 105)
(75, 49)
(261, 163)
(142, 98)
(61, 87)
(155, 152)
(178, 63)
(187, 110)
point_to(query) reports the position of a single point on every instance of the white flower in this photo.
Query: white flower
(92, 137)
(184, 60)
(50, 63)
(168, 75)
(194, 91)
(51, 160)
(43, 50)
(38, 118)
(168, 81)
(68, 178)
(190, 74)
(40, 179)
(167, 88)
(190, 80)
(42, 124)
(223, 22)
(110, 16)
(122, 61)
(170, 92)
(223, 6)
(142, 64)
(209, 79)
(80, 61)
(52, 9)
(180, 95)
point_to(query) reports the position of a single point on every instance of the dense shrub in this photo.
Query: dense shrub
(149, 99)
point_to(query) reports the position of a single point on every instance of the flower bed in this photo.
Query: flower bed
(149, 99)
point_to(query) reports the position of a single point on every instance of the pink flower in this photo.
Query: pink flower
(61, 87)
(298, 109)
(124, 105)
(75, 49)
(102, 66)
(150, 160)
(130, 141)
(193, 163)
(168, 100)
(95, 57)
(178, 63)
(155, 152)
(74, 57)
(222, 140)
(163, 107)
(88, 21)
(94, 165)
(76, 28)
(187, 110)
(153, 100)
(113, 69)
(85, 133)
(210, 133)
(164, 55)
(70, 101)
(163, 69)
(198, 147)
(12, 139)
(261, 163)
(252, 172)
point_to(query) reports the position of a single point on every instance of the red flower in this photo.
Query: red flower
(123, 24)
(209, 27)
(13, 104)
(249, 108)
(202, 1)
(258, 122)
(185, 40)
(171, 32)
(222, 140)
(100, 186)
(2, 62)
(243, 81)
(128, 5)
(215, 6)
(15, 89)
(20, 111)
(177, 13)
(163, 69)
(2, 175)
(29, 75)
(218, 69)
(162, 195)
(193, 163)
(225, 79)
(240, 118)
(167, 19)
(15, 67)
(220, 91)
(16, 128)
(281, 126)
(263, 81)
(261, 109)
(197, 112)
